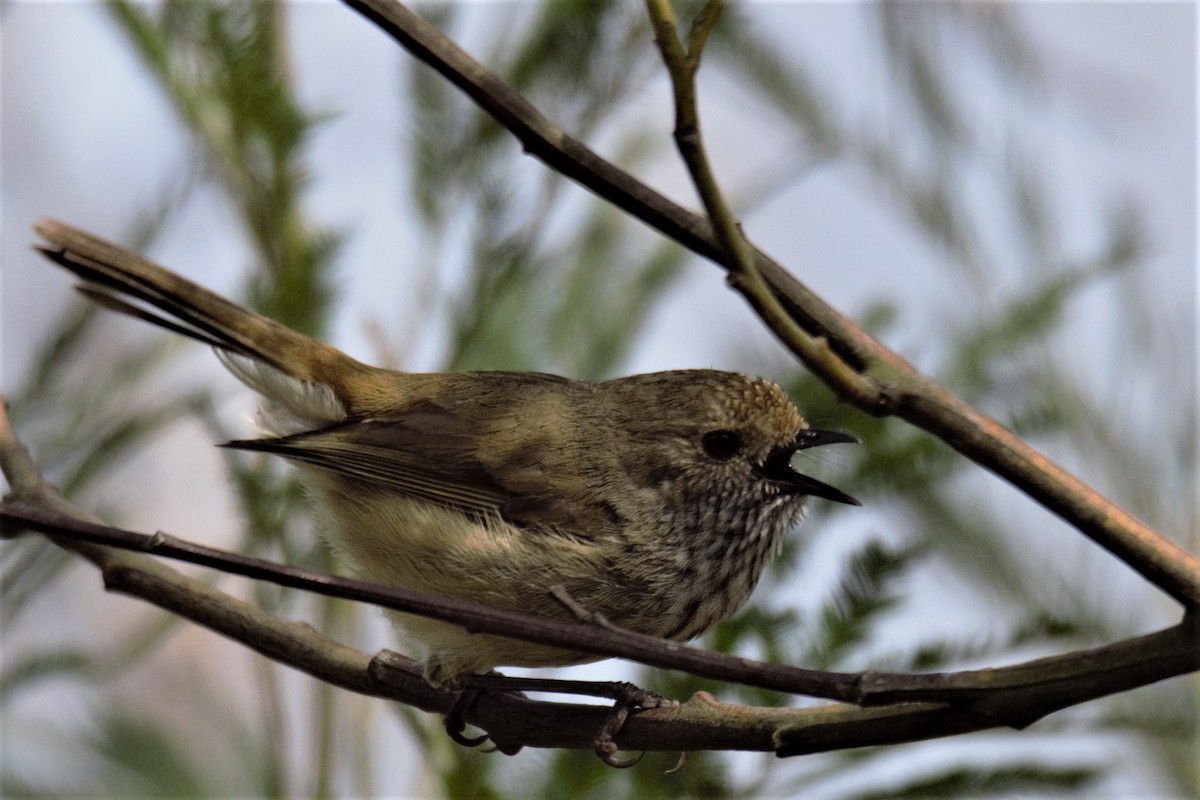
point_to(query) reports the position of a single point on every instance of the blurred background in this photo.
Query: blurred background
(1003, 193)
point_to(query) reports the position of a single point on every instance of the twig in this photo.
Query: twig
(1151, 552)
(1013, 696)
(605, 641)
(743, 274)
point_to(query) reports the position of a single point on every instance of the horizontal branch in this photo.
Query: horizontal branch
(595, 639)
(857, 367)
(919, 706)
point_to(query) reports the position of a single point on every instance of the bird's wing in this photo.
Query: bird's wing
(434, 454)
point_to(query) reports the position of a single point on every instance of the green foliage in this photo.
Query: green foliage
(26, 669)
(865, 590)
(153, 762)
(534, 274)
(572, 306)
(984, 782)
(222, 66)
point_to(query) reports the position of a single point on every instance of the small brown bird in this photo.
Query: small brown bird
(655, 500)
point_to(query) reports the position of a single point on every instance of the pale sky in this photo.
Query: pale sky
(86, 138)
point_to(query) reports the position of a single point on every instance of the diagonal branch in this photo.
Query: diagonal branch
(605, 641)
(1014, 696)
(857, 367)
(744, 275)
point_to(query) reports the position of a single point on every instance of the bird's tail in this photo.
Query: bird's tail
(302, 377)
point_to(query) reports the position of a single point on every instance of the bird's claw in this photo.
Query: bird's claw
(455, 728)
(605, 745)
(455, 725)
(607, 753)
(627, 697)
(636, 697)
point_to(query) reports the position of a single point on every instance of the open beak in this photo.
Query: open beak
(778, 466)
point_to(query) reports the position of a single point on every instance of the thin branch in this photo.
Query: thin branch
(858, 368)
(544, 140)
(603, 641)
(1014, 696)
(743, 273)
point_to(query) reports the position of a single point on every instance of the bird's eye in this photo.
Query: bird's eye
(722, 445)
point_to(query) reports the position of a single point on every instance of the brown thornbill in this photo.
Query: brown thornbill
(655, 500)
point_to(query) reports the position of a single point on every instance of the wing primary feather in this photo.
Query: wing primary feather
(380, 467)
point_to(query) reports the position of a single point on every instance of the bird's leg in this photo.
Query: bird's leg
(586, 616)
(604, 744)
(641, 698)
(626, 697)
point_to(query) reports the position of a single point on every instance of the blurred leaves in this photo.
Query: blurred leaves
(78, 444)
(223, 68)
(866, 589)
(532, 273)
(524, 303)
(985, 782)
(153, 761)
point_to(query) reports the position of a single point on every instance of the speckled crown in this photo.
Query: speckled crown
(767, 401)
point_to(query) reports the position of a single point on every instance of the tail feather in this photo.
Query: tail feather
(299, 375)
(232, 326)
(112, 302)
